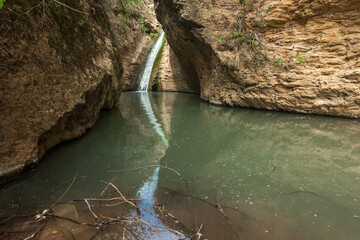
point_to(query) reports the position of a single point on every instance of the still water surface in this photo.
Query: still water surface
(245, 174)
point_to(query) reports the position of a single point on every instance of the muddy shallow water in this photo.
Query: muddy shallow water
(192, 167)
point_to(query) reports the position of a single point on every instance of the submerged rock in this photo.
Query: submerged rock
(66, 210)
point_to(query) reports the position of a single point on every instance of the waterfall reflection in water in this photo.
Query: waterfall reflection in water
(224, 153)
(147, 191)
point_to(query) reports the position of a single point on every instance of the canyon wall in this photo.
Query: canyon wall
(293, 55)
(60, 65)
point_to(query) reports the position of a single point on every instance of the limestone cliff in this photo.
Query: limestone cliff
(292, 55)
(61, 62)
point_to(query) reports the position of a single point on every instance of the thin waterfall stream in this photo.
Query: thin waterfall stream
(150, 60)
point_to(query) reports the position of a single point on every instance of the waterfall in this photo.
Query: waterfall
(150, 60)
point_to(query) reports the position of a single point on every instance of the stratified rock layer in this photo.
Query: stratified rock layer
(293, 55)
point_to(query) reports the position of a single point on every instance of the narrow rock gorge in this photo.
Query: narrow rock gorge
(61, 63)
(294, 55)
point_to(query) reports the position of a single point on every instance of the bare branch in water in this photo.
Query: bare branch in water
(162, 214)
(148, 166)
(224, 214)
(72, 182)
(131, 203)
(96, 217)
(198, 234)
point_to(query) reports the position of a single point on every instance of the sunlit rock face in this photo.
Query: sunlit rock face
(294, 55)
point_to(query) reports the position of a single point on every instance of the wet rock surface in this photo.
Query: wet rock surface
(299, 56)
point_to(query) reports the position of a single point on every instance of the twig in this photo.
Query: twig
(151, 226)
(224, 214)
(37, 5)
(162, 166)
(71, 220)
(272, 171)
(157, 205)
(309, 192)
(132, 233)
(228, 220)
(100, 199)
(189, 195)
(7, 219)
(7, 50)
(198, 234)
(132, 204)
(96, 217)
(70, 7)
(115, 204)
(117, 220)
(157, 234)
(162, 228)
(103, 192)
(35, 233)
(124, 233)
(203, 200)
(72, 182)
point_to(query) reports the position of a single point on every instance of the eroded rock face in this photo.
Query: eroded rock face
(169, 76)
(294, 55)
(58, 69)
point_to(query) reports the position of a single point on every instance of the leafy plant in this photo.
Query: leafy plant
(269, 7)
(143, 24)
(17, 8)
(272, 22)
(278, 63)
(154, 35)
(82, 22)
(255, 62)
(2, 3)
(300, 59)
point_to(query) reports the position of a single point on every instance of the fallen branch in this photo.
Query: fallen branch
(72, 182)
(71, 220)
(96, 217)
(161, 166)
(198, 234)
(204, 200)
(132, 233)
(131, 203)
(310, 192)
(34, 234)
(162, 214)
(157, 234)
(224, 214)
